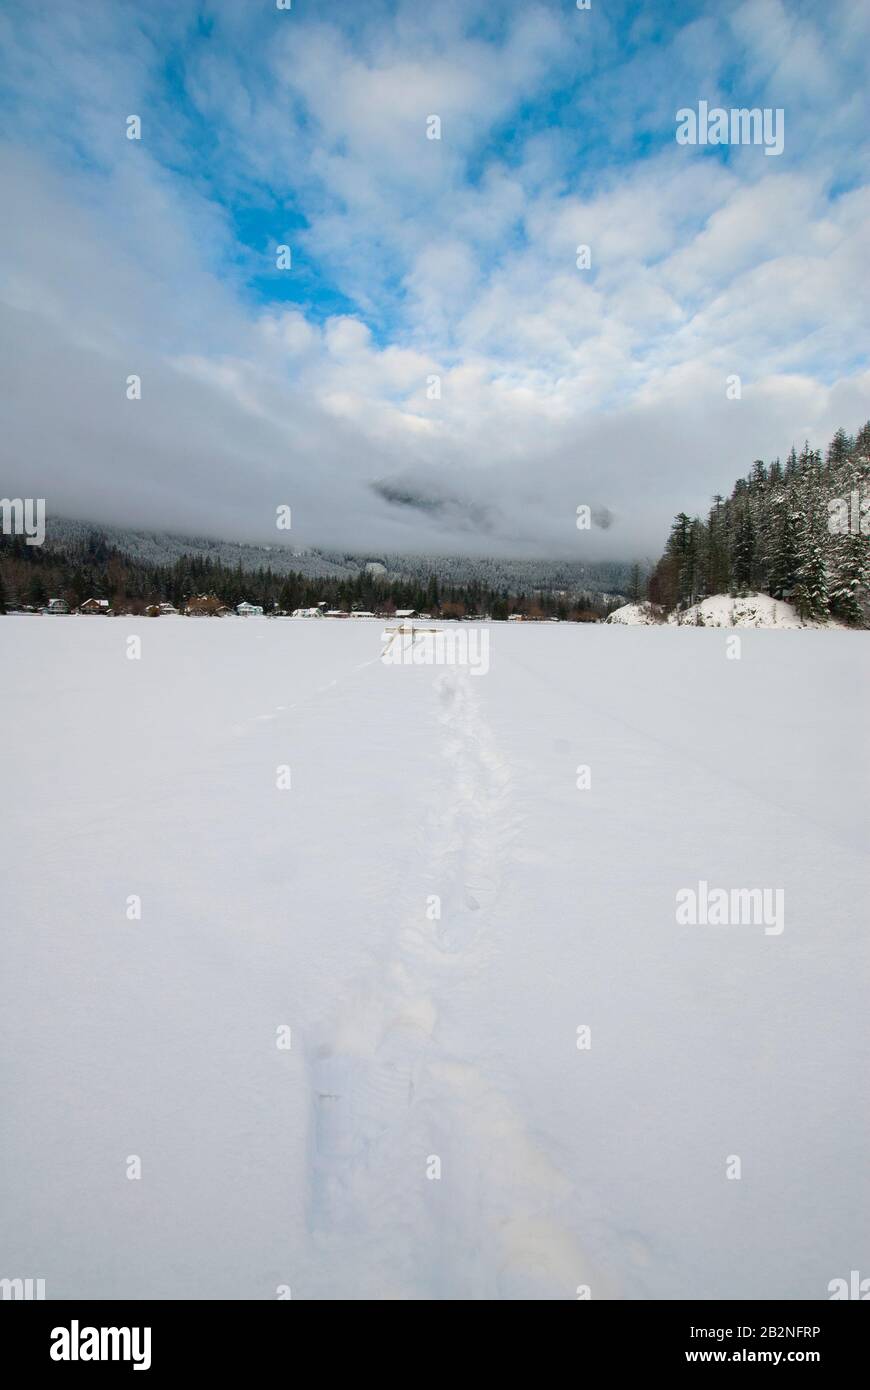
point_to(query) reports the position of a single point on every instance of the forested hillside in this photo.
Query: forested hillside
(92, 568)
(798, 530)
(152, 548)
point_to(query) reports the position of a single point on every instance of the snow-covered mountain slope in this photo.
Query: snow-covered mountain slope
(436, 910)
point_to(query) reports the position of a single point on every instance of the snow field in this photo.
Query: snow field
(421, 1035)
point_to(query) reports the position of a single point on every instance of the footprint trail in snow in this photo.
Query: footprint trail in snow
(390, 1103)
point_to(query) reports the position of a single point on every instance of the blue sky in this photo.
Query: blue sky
(415, 259)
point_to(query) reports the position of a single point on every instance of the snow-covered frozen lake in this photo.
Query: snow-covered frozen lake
(420, 1042)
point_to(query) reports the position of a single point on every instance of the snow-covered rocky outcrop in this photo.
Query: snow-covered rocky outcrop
(752, 610)
(636, 614)
(720, 610)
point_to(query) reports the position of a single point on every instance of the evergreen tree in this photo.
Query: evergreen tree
(810, 593)
(717, 569)
(758, 476)
(784, 555)
(681, 551)
(698, 561)
(36, 594)
(851, 577)
(839, 447)
(743, 551)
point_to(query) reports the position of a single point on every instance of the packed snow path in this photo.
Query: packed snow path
(430, 911)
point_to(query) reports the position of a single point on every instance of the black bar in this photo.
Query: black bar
(219, 1339)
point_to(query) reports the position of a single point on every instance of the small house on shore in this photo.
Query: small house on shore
(56, 605)
(205, 606)
(95, 605)
(249, 610)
